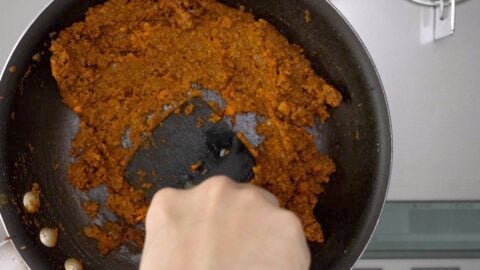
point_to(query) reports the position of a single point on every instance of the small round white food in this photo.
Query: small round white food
(49, 237)
(31, 202)
(73, 264)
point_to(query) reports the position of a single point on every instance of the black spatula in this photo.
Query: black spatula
(183, 154)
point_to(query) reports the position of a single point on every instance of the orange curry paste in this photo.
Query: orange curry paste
(128, 58)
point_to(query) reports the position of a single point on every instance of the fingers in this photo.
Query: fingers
(167, 202)
(227, 183)
(210, 217)
(267, 195)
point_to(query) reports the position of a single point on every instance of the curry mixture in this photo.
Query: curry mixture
(131, 63)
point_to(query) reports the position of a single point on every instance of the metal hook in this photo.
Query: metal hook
(442, 10)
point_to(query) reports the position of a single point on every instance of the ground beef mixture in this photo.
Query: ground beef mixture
(131, 63)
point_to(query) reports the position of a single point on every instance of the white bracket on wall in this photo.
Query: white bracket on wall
(444, 16)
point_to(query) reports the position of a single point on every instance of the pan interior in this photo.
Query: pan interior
(36, 129)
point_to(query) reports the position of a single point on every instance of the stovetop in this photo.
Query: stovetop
(432, 87)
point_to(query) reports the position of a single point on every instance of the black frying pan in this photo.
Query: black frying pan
(36, 128)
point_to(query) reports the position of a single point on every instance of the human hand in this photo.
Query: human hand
(222, 225)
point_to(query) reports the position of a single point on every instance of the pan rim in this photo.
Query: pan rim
(3, 75)
(372, 214)
(389, 152)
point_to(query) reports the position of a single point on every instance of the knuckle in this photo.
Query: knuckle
(160, 209)
(252, 195)
(218, 184)
(163, 196)
(222, 181)
(291, 221)
(268, 196)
